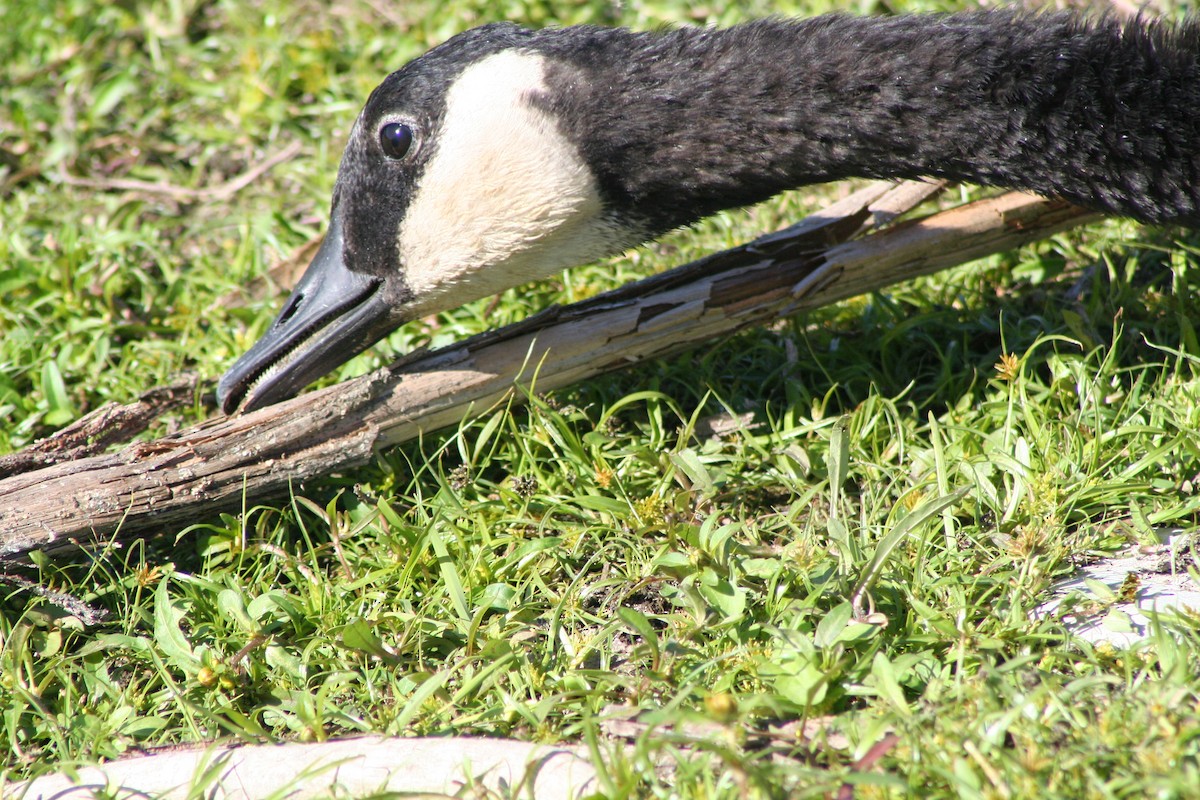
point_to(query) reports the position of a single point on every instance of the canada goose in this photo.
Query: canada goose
(505, 155)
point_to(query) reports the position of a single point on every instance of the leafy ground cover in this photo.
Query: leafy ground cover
(856, 562)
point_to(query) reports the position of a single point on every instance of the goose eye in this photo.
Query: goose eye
(395, 138)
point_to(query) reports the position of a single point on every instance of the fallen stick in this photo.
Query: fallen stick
(221, 464)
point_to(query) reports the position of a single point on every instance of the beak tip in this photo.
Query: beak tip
(334, 314)
(225, 396)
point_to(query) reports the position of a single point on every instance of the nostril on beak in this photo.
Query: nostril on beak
(290, 309)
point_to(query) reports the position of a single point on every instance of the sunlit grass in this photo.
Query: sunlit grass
(861, 552)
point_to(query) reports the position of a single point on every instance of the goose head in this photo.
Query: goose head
(504, 154)
(456, 183)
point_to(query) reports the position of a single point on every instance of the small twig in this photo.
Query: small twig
(235, 185)
(256, 641)
(219, 192)
(87, 613)
(877, 751)
(17, 177)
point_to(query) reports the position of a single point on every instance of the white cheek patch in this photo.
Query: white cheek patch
(506, 198)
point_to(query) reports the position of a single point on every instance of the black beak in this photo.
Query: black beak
(332, 315)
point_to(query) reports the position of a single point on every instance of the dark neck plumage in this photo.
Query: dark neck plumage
(678, 125)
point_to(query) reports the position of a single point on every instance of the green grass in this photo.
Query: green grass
(939, 453)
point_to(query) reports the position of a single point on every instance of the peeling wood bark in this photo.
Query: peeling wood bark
(224, 463)
(109, 425)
